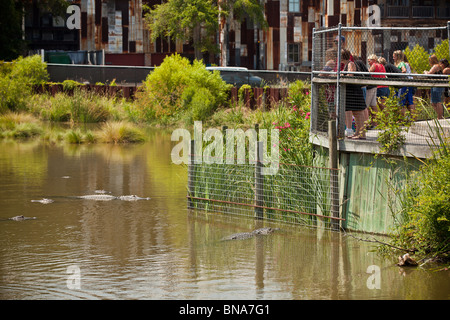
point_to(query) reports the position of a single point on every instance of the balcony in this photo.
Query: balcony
(443, 12)
(417, 12)
(423, 12)
(397, 12)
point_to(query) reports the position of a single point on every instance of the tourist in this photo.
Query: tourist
(405, 94)
(382, 91)
(436, 92)
(354, 98)
(389, 67)
(445, 66)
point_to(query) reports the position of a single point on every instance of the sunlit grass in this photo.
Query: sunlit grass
(120, 132)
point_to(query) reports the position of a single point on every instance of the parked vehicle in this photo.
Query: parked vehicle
(238, 76)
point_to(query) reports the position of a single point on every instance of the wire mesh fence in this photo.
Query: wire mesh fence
(380, 71)
(295, 194)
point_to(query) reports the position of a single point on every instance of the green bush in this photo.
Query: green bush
(69, 85)
(426, 224)
(169, 90)
(17, 80)
(441, 50)
(418, 59)
(201, 104)
(392, 123)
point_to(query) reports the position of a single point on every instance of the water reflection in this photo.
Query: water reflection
(157, 249)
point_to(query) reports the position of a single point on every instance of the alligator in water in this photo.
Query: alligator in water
(44, 201)
(107, 197)
(247, 235)
(21, 218)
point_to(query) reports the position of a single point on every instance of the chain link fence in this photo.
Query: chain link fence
(295, 194)
(380, 73)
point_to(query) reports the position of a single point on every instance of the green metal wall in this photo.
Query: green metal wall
(368, 189)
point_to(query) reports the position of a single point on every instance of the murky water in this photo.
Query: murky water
(157, 249)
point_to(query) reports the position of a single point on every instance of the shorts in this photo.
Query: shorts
(371, 97)
(436, 95)
(405, 95)
(383, 92)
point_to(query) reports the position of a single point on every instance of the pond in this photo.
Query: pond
(157, 248)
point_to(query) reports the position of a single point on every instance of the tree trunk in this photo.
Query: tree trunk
(196, 37)
(222, 37)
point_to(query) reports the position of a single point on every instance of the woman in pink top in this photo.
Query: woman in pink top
(382, 91)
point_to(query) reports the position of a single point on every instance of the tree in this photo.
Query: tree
(11, 33)
(192, 20)
(199, 20)
(240, 9)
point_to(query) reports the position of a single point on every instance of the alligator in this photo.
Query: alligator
(107, 197)
(247, 235)
(21, 218)
(44, 201)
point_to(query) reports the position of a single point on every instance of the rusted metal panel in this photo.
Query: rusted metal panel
(297, 29)
(115, 41)
(132, 46)
(125, 39)
(104, 30)
(273, 13)
(83, 26)
(98, 12)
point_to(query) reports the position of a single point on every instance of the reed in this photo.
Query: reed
(19, 125)
(120, 132)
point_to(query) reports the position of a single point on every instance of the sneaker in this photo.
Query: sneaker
(349, 132)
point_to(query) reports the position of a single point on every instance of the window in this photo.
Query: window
(294, 5)
(293, 53)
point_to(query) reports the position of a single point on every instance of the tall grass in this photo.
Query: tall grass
(424, 212)
(19, 125)
(81, 107)
(120, 132)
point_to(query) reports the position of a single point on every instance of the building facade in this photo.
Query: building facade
(117, 27)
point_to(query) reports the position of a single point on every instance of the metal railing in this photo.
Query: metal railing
(336, 90)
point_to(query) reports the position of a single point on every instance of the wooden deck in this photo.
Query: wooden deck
(420, 140)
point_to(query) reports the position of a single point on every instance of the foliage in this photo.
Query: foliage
(69, 85)
(81, 106)
(17, 80)
(427, 212)
(185, 20)
(11, 32)
(120, 132)
(295, 147)
(177, 87)
(19, 125)
(441, 50)
(252, 9)
(417, 58)
(242, 91)
(196, 20)
(392, 122)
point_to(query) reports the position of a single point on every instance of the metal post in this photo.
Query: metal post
(448, 34)
(191, 174)
(338, 78)
(259, 182)
(333, 160)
